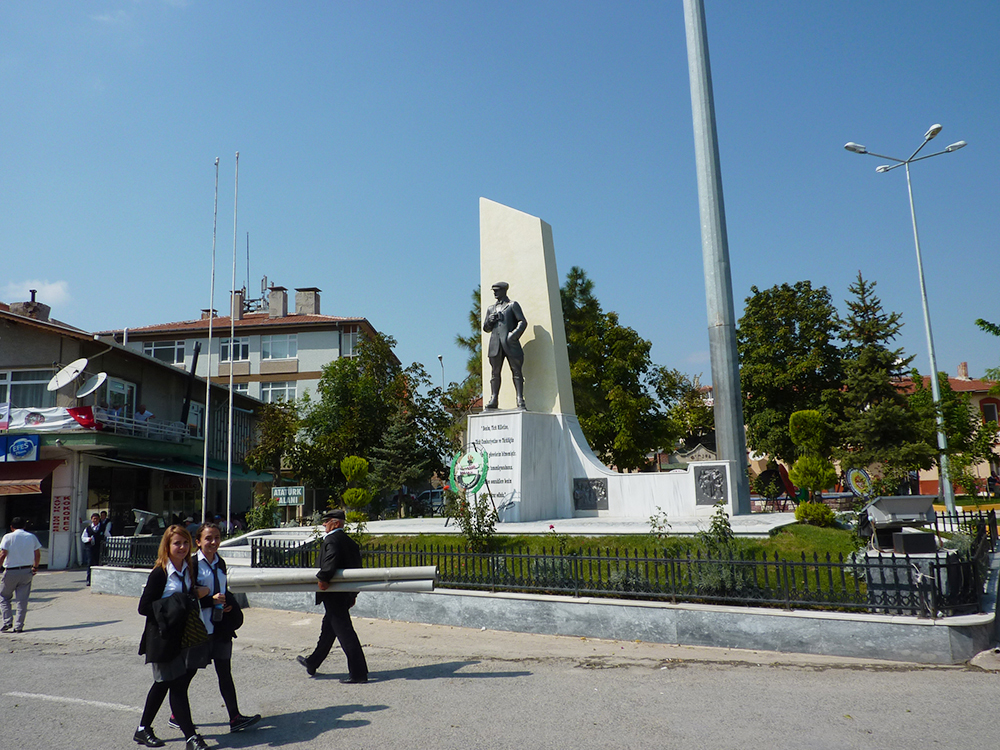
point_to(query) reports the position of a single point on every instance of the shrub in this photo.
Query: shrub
(815, 514)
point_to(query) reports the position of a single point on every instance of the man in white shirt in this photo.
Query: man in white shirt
(20, 554)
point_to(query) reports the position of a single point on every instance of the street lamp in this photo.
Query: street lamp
(945, 476)
(441, 360)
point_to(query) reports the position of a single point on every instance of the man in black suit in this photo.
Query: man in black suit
(505, 323)
(338, 552)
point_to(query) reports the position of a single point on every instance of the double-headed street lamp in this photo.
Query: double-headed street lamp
(945, 477)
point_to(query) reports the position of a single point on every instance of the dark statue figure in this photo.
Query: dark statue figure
(505, 323)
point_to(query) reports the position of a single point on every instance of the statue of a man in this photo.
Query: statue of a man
(505, 323)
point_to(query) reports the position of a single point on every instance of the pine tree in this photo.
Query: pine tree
(878, 430)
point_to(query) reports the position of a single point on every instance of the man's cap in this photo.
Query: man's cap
(336, 513)
(501, 285)
(189, 519)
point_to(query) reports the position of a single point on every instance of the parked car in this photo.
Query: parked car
(433, 499)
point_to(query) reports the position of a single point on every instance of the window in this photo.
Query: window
(165, 351)
(271, 392)
(989, 412)
(349, 341)
(241, 349)
(279, 346)
(26, 389)
(241, 387)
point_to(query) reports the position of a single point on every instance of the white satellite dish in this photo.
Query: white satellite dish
(67, 374)
(92, 384)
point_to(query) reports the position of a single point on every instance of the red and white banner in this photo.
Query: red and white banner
(55, 419)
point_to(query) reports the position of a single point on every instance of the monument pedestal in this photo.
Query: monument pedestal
(540, 467)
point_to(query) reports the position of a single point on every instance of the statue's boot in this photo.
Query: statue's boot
(519, 392)
(495, 389)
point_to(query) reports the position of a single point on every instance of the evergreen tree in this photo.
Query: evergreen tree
(613, 379)
(789, 361)
(878, 429)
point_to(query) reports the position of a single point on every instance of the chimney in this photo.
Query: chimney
(236, 305)
(207, 313)
(31, 309)
(963, 371)
(277, 302)
(307, 301)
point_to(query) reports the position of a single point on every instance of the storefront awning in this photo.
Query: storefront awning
(25, 477)
(177, 467)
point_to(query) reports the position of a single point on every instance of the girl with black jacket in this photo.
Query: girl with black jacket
(165, 602)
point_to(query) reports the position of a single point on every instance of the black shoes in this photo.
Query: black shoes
(241, 722)
(173, 722)
(354, 680)
(196, 742)
(302, 660)
(6, 628)
(147, 738)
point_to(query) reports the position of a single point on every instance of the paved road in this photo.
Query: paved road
(72, 680)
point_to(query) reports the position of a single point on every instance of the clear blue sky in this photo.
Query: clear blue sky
(367, 132)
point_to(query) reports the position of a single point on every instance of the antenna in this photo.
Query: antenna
(92, 384)
(67, 374)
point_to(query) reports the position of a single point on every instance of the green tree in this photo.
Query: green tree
(789, 361)
(613, 379)
(813, 470)
(689, 417)
(971, 441)
(355, 400)
(458, 399)
(992, 373)
(877, 429)
(277, 430)
(357, 496)
(400, 459)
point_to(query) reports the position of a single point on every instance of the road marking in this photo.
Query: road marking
(78, 701)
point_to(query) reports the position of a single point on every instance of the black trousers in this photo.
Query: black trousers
(337, 625)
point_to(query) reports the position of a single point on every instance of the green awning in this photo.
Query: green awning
(216, 469)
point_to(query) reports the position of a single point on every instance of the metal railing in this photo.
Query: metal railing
(154, 429)
(933, 585)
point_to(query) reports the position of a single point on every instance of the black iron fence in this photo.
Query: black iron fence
(945, 583)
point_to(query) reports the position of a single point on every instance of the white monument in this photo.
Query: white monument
(540, 466)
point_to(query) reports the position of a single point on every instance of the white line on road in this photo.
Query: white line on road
(79, 701)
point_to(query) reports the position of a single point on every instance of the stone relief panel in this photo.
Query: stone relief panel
(710, 485)
(590, 494)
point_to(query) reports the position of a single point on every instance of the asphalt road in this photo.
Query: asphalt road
(73, 680)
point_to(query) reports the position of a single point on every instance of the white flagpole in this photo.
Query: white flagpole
(232, 358)
(208, 376)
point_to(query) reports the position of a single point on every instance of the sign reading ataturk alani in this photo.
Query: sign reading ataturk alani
(468, 470)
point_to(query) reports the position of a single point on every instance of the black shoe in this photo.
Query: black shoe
(302, 660)
(354, 680)
(241, 722)
(6, 628)
(197, 742)
(147, 738)
(172, 722)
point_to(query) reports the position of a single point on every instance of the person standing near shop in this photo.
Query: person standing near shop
(92, 538)
(339, 552)
(20, 554)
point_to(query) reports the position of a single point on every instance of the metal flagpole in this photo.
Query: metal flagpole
(208, 376)
(232, 359)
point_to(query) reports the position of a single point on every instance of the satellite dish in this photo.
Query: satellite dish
(92, 384)
(67, 374)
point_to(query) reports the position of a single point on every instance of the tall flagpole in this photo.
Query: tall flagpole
(208, 377)
(232, 360)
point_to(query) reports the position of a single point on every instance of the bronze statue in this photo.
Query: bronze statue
(505, 323)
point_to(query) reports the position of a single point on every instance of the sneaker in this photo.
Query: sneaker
(6, 628)
(241, 722)
(172, 722)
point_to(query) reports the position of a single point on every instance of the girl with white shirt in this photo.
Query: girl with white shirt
(168, 592)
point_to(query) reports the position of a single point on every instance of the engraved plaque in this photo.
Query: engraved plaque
(590, 494)
(709, 485)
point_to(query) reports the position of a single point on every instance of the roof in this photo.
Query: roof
(258, 320)
(959, 385)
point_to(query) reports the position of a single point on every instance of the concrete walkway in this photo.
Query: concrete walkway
(754, 525)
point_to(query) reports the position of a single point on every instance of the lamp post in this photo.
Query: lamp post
(945, 477)
(441, 360)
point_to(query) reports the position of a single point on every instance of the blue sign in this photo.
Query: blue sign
(19, 447)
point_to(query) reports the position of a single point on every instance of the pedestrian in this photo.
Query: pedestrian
(20, 554)
(92, 539)
(338, 552)
(170, 592)
(105, 525)
(222, 616)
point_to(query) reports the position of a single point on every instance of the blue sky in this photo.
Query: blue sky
(367, 132)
